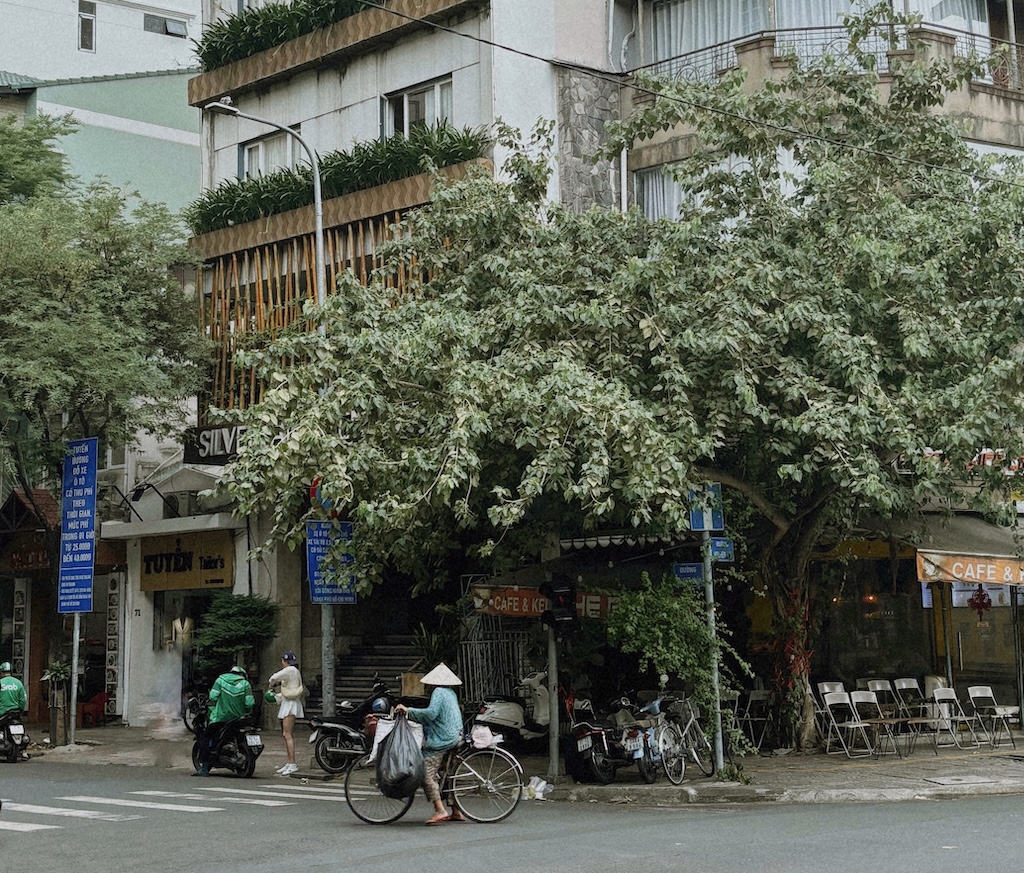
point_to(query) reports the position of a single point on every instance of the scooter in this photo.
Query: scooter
(237, 746)
(13, 739)
(340, 741)
(523, 720)
(597, 749)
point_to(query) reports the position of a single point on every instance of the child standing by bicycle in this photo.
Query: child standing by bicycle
(442, 730)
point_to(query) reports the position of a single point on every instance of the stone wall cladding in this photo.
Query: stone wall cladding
(585, 104)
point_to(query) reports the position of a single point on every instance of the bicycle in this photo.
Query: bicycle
(682, 737)
(485, 784)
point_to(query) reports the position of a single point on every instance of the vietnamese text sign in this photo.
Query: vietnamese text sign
(706, 511)
(320, 537)
(77, 527)
(688, 572)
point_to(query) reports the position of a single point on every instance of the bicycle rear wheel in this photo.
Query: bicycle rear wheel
(364, 798)
(700, 749)
(487, 784)
(673, 752)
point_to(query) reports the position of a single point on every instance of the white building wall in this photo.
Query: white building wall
(40, 38)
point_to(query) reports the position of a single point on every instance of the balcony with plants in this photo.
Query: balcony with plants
(273, 42)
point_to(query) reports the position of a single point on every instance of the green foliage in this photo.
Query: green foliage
(366, 165)
(97, 336)
(236, 624)
(257, 28)
(30, 162)
(434, 646)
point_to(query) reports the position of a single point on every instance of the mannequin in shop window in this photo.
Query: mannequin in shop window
(181, 632)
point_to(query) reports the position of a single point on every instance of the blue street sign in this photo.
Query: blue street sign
(722, 549)
(77, 527)
(706, 509)
(688, 572)
(320, 536)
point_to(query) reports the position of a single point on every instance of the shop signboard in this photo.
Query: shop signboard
(320, 537)
(77, 527)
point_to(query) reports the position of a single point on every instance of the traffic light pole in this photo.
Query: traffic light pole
(709, 600)
(554, 707)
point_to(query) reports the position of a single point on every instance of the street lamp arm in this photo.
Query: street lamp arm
(225, 107)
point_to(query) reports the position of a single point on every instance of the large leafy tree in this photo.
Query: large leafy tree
(840, 293)
(30, 162)
(98, 337)
(856, 303)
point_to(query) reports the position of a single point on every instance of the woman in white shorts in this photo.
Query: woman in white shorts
(287, 683)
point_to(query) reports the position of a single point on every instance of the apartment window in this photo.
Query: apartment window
(684, 26)
(657, 194)
(422, 106)
(165, 26)
(263, 156)
(86, 26)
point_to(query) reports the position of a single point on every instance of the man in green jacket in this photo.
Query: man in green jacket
(12, 692)
(230, 697)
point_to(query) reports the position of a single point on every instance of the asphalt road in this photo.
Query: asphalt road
(111, 818)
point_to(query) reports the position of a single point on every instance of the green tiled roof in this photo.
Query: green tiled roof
(15, 81)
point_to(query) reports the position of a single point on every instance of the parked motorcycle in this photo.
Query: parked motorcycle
(341, 740)
(13, 739)
(523, 719)
(237, 745)
(598, 749)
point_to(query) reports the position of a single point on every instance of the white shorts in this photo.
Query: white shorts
(290, 707)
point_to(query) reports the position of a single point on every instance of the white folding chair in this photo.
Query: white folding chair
(990, 716)
(820, 717)
(754, 718)
(868, 709)
(918, 712)
(845, 727)
(951, 718)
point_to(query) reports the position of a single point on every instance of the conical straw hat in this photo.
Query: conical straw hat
(441, 675)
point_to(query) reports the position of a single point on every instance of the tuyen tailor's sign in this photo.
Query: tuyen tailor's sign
(195, 560)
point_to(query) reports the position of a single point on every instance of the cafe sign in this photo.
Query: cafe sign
(196, 560)
(974, 569)
(516, 601)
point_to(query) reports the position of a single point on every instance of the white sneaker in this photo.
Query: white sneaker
(280, 770)
(289, 769)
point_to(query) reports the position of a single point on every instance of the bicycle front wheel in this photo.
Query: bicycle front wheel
(673, 753)
(364, 798)
(487, 785)
(700, 748)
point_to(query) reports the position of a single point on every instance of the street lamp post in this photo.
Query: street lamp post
(225, 107)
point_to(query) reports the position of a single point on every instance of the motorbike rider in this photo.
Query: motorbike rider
(12, 692)
(230, 698)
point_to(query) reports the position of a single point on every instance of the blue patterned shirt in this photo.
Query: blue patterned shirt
(441, 720)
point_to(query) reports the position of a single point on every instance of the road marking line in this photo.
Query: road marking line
(67, 813)
(181, 796)
(143, 804)
(25, 826)
(313, 789)
(279, 793)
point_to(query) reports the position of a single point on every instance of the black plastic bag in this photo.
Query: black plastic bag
(400, 770)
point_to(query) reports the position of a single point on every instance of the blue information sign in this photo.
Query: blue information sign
(706, 512)
(688, 572)
(320, 536)
(722, 549)
(77, 527)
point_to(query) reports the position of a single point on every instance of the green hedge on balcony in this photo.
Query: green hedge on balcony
(366, 165)
(261, 27)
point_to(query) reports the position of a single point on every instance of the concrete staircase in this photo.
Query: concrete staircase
(387, 657)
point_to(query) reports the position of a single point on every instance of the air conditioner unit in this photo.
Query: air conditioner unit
(179, 504)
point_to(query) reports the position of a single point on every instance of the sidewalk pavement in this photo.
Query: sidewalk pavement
(781, 778)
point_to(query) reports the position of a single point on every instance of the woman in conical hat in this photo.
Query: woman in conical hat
(442, 730)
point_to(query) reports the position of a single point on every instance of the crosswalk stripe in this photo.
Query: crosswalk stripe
(25, 826)
(254, 801)
(66, 812)
(143, 804)
(279, 793)
(312, 789)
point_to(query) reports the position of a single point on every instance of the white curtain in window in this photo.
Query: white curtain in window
(658, 194)
(968, 15)
(791, 14)
(683, 26)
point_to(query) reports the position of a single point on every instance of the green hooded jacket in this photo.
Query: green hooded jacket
(231, 697)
